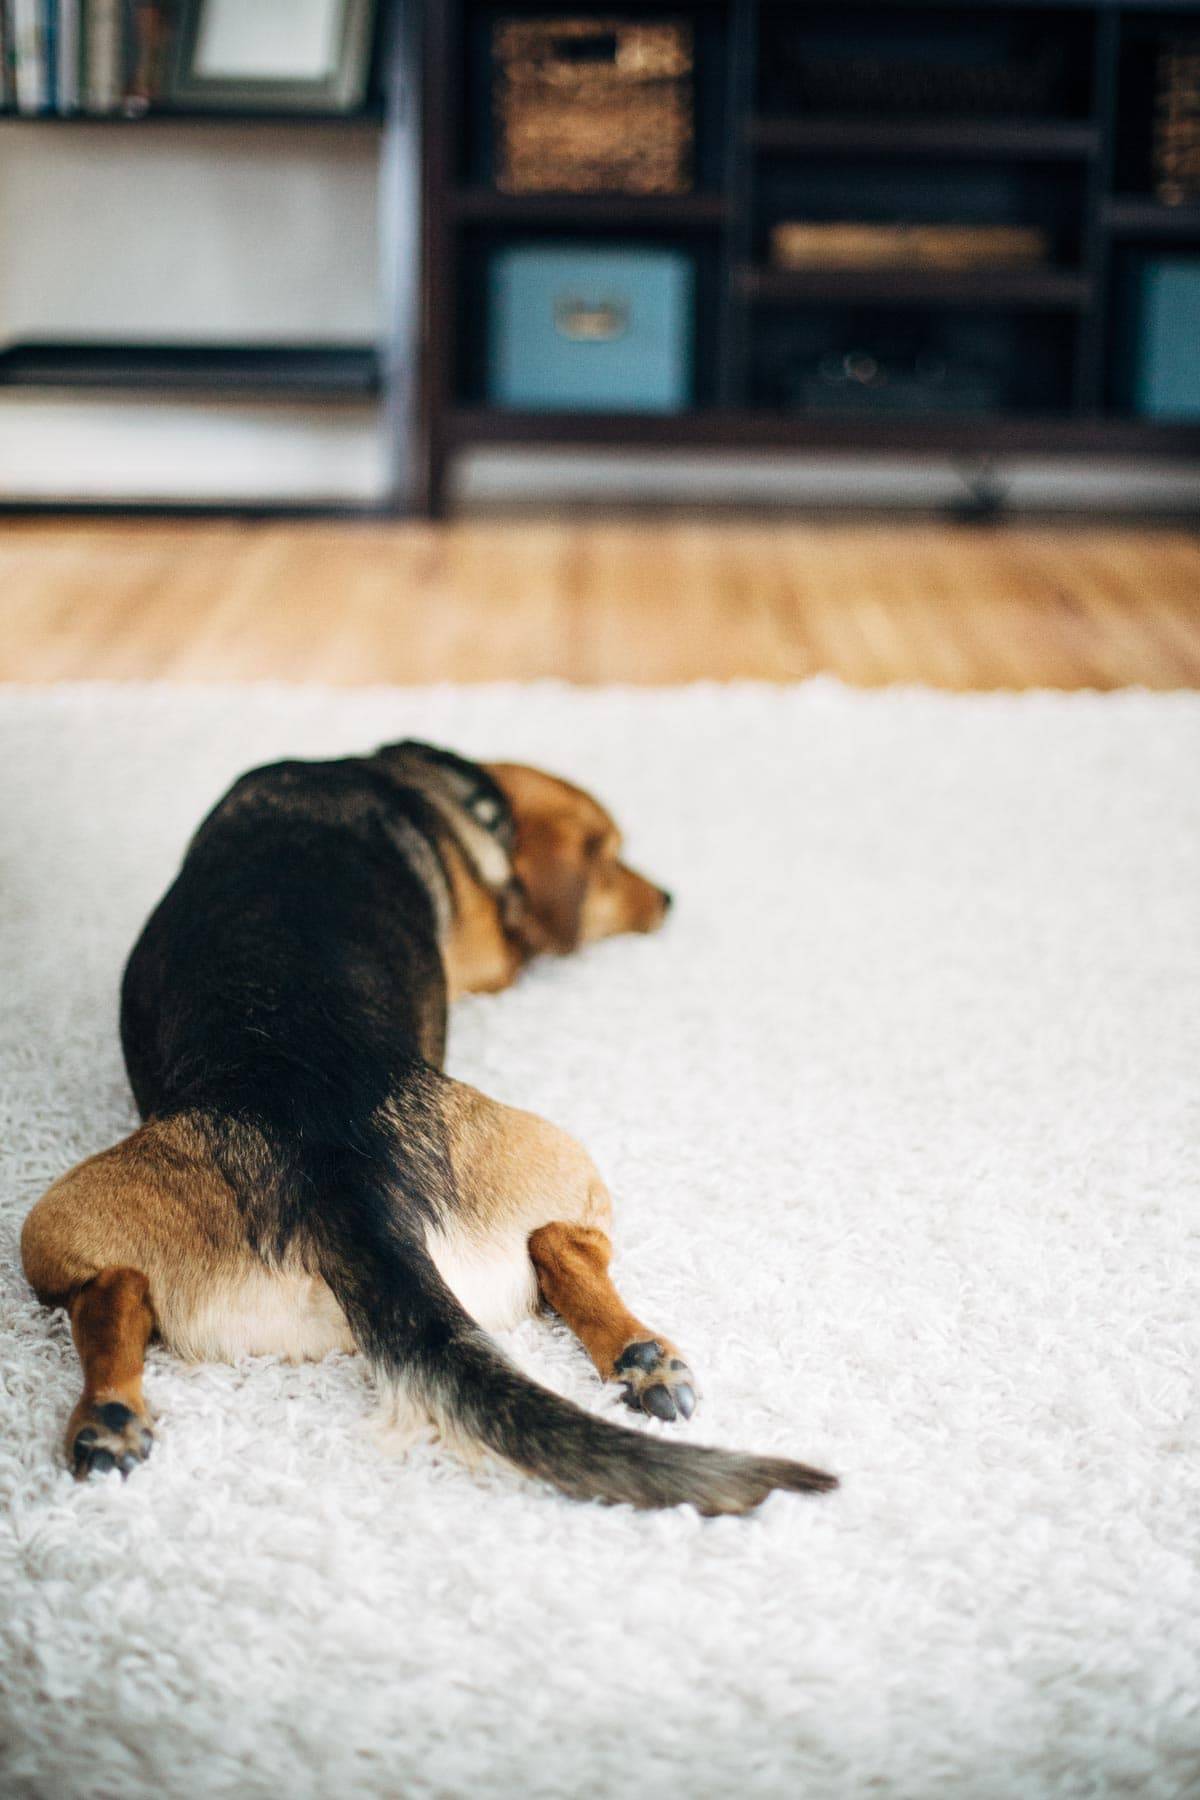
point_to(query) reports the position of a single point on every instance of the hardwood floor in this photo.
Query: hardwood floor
(640, 599)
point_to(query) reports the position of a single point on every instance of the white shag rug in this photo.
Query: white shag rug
(901, 1113)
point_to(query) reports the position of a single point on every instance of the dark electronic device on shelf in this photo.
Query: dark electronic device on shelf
(873, 380)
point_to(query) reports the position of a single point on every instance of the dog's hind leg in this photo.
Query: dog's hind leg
(127, 1242)
(572, 1263)
(111, 1322)
(77, 1255)
(533, 1219)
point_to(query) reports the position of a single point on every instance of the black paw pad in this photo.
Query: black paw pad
(114, 1415)
(656, 1380)
(112, 1436)
(90, 1458)
(645, 1356)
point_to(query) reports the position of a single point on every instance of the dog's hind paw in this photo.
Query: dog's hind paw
(656, 1379)
(107, 1434)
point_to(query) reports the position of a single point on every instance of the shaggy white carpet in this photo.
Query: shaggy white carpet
(901, 1114)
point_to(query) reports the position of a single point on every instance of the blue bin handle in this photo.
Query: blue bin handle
(584, 324)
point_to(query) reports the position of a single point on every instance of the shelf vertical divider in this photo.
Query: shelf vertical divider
(443, 61)
(400, 204)
(738, 186)
(1093, 334)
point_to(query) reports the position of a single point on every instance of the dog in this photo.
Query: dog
(307, 1178)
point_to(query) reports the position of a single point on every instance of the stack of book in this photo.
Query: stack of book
(807, 244)
(90, 56)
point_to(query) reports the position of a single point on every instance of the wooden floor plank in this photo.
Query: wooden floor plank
(638, 598)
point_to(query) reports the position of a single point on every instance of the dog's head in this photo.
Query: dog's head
(571, 884)
(544, 854)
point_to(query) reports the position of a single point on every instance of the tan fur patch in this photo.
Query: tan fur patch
(492, 1276)
(259, 1312)
(479, 958)
(156, 1203)
(111, 1322)
(514, 1170)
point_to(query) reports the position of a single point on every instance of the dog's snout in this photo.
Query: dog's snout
(668, 900)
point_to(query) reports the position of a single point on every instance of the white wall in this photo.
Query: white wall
(195, 233)
(188, 232)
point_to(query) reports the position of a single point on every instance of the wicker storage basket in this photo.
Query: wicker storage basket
(1177, 123)
(592, 106)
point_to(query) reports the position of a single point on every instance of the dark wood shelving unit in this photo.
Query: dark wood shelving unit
(1075, 165)
(762, 157)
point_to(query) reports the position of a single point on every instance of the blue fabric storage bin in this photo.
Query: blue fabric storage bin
(573, 330)
(1166, 348)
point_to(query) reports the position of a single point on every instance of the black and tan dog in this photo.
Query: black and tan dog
(308, 1179)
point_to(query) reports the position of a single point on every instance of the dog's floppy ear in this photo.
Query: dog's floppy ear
(551, 886)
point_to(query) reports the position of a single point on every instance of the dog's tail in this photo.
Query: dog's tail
(419, 1338)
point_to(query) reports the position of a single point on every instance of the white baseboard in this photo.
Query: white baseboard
(771, 479)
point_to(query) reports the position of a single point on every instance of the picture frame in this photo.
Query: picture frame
(273, 55)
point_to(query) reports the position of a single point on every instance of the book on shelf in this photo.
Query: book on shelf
(103, 84)
(148, 41)
(7, 95)
(92, 56)
(67, 72)
(30, 90)
(854, 244)
(50, 53)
